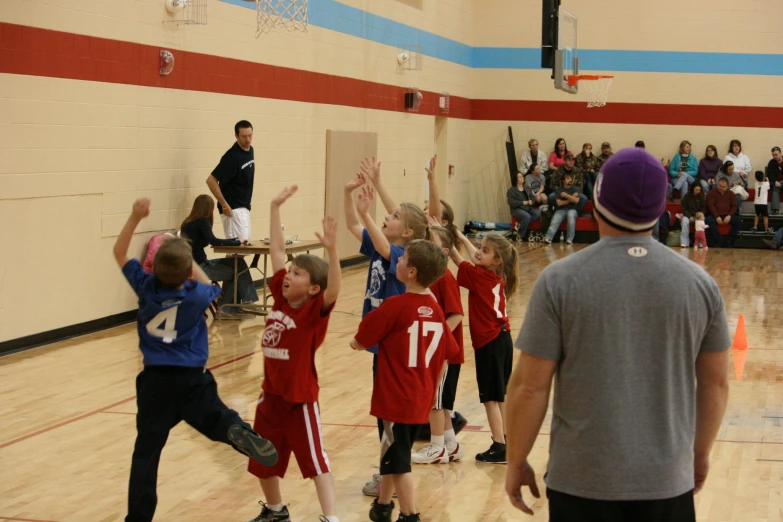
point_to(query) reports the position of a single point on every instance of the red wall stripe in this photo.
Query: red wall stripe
(42, 52)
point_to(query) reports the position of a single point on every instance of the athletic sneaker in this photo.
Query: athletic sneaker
(413, 517)
(496, 454)
(455, 451)
(430, 454)
(267, 515)
(543, 208)
(754, 229)
(547, 241)
(253, 445)
(381, 512)
(372, 488)
(458, 421)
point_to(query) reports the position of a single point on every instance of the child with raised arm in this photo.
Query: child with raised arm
(287, 412)
(174, 384)
(490, 277)
(414, 343)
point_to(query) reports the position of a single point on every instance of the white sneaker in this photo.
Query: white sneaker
(373, 487)
(455, 451)
(430, 454)
(543, 208)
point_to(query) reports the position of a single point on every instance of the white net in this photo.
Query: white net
(597, 90)
(290, 15)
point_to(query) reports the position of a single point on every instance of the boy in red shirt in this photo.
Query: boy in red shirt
(414, 342)
(444, 446)
(287, 411)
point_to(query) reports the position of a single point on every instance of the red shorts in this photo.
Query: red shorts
(290, 427)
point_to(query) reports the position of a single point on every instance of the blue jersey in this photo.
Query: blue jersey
(172, 329)
(382, 279)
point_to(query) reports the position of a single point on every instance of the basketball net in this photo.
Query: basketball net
(290, 15)
(596, 87)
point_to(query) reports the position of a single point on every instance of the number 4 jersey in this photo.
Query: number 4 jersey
(172, 330)
(413, 343)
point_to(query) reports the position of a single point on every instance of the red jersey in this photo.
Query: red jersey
(291, 337)
(413, 343)
(446, 292)
(486, 302)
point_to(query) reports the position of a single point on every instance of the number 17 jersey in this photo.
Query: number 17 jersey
(413, 343)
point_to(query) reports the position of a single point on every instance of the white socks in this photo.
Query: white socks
(450, 436)
(332, 519)
(439, 440)
(276, 507)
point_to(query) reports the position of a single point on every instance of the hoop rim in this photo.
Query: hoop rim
(576, 78)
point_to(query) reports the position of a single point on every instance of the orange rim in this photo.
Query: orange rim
(573, 80)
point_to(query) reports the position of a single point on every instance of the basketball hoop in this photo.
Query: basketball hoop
(596, 87)
(290, 15)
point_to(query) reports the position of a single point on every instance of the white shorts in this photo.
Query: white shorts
(238, 225)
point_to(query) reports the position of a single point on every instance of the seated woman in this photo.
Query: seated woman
(197, 228)
(521, 205)
(589, 164)
(693, 202)
(535, 187)
(557, 157)
(683, 169)
(709, 166)
(740, 160)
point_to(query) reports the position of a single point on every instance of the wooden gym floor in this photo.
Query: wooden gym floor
(67, 421)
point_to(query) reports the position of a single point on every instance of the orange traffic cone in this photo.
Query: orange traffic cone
(740, 348)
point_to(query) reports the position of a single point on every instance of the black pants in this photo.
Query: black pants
(166, 395)
(568, 508)
(714, 233)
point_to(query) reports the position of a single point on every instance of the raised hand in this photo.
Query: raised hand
(431, 170)
(329, 237)
(372, 169)
(433, 221)
(356, 182)
(141, 208)
(365, 200)
(284, 195)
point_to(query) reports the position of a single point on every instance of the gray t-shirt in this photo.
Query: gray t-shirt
(625, 318)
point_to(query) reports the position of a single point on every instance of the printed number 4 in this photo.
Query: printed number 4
(413, 332)
(168, 318)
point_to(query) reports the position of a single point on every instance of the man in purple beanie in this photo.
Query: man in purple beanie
(641, 388)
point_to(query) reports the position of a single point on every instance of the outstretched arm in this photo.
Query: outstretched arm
(470, 249)
(329, 240)
(141, 209)
(379, 241)
(372, 169)
(276, 237)
(351, 217)
(433, 207)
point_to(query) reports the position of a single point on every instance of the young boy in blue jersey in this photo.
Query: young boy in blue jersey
(174, 384)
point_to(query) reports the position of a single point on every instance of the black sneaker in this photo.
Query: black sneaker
(458, 422)
(413, 517)
(496, 454)
(267, 515)
(253, 445)
(381, 512)
(770, 244)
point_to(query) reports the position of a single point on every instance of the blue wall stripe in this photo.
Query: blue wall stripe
(342, 18)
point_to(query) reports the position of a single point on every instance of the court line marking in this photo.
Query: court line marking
(103, 410)
(25, 519)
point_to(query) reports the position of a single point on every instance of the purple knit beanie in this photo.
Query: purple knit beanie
(630, 191)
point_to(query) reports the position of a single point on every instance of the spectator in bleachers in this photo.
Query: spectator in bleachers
(521, 205)
(639, 145)
(567, 199)
(556, 181)
(740, 160)
(683, 169)
(533, 157)
(535, 183)
(722, 206)
(606, 152)
(693, 202)
(761, 202)
(775, 175)
(557, 157)
(729, 173)
(777, 241)
(709, 166)
(589, 164)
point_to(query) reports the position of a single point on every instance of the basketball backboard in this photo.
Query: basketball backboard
(566, 55)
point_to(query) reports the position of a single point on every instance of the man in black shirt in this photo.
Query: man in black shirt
(232, 183)
(775, 175)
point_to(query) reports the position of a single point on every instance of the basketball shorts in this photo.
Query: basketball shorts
(396, 445)
(761, 210)
(290, 427)
(493, 368)
(238, 225)
(446, 393)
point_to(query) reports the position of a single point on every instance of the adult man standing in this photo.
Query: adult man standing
(775, 175)
(641, 389)
(232, 183)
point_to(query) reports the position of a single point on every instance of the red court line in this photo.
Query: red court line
(102, 410)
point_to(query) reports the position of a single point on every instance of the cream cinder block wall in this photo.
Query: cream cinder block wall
(76, 154)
